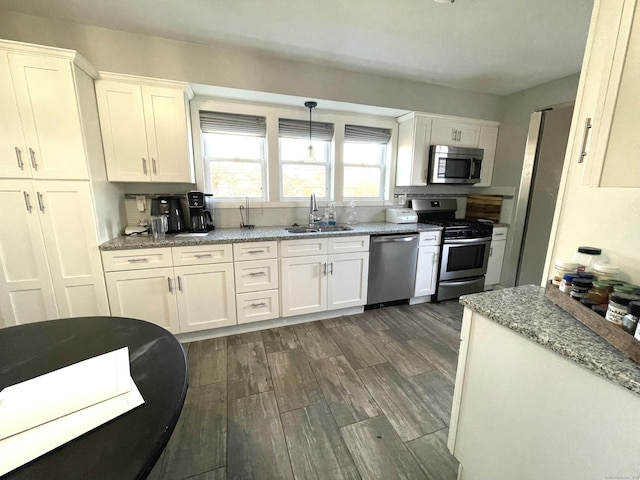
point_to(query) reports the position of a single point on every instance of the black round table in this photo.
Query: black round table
(128, 446)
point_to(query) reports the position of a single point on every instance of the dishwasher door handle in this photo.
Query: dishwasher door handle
(393, 239)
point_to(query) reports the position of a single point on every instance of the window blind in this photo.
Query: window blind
(232, 123)
(300, 129)
(359, 134)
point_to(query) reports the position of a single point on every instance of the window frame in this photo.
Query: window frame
(382, 166)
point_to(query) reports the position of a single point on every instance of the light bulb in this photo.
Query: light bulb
(311, 155)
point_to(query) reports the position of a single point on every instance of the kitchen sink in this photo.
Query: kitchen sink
(330, 228)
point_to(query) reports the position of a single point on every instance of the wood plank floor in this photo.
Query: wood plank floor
(364, 396)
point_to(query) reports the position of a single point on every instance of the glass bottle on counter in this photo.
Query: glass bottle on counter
(586, 257)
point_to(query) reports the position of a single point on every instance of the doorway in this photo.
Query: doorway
(542, 169)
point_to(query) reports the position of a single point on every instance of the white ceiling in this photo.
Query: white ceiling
(492, 46)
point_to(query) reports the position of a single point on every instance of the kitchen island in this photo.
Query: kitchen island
(539, 395)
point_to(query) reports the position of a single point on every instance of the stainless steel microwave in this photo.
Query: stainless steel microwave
(454, 164)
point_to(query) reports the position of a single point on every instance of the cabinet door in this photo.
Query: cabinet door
(71, 239)
(167, 134)
(26, 291)
(494, 267)
(427, 271)
(347, 280)
(488, 141)
(13, 153)
(48, 105)
(414, 136)
(146, 295)
(257, 306)
(447, 132)
(303, 282)
(206, 296)
(123, 129)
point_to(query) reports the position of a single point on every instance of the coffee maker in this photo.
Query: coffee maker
(170, 207)
(200, 211)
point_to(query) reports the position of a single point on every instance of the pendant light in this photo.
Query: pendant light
(311, 156)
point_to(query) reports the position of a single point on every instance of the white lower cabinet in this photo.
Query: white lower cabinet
(316, 283)
(427, 266)
(49, 258)
(257, 306)
(145, 295)
(496, 256)
(183, 298)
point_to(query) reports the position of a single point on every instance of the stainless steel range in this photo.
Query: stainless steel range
(465, 247)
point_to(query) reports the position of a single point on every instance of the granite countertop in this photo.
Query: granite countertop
(527, 311)
(230, 235)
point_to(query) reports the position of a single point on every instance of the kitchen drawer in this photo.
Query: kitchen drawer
(429, 239)
(255, 250)
(201, 255)
(358, 243)
(138, 259)
(303, 247)
(256, 306)
(499, 233)
(256, 275)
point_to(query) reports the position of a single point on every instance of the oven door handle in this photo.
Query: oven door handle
(461, 282)
(463, 241)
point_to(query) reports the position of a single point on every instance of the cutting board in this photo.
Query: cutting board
(484, 207)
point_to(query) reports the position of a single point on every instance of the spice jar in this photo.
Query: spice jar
(567, 280)
(561, 268)
(599, 292)
(630, 320)
(580, 287)
(586, 257)
(605, 271)
(618, 304)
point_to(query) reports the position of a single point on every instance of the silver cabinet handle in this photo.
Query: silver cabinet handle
(251, 252)
(453, 135)
(137, 260)
(257, 274)
(585, 137)
(144, 165)
(256, 305)
(490, 251)
(179, 283)
(496, 235)
(459, 135)
(27, 202)
(203, 255)
(32, 154)
(331, 272)
(324, 268)
(40, 202)
(170, 284)
(19, 158)
(153, 165)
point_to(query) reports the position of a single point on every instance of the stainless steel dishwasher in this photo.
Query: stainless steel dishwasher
(392, 267)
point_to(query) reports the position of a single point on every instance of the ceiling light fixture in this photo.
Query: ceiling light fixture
(311, 157)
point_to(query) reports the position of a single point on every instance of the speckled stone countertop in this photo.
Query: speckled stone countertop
(230, 235)
(527, 311)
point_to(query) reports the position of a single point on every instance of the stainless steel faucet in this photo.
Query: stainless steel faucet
(313, 207)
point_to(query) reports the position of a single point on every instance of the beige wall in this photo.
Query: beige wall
(116, 51)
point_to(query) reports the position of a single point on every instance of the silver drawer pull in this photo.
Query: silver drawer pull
(144, 165)
(203, 255)
(137, 260)
(34, 164)
(430, 238)
(256, 305)
(27, 202)
(153, 163)
(251, 252)
(19, 158)
(257, 274)
(40, 202)
(179, 283)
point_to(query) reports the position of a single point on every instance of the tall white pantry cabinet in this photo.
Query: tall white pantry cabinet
(52, 180)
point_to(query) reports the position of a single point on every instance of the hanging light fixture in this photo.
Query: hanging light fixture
(311, 156)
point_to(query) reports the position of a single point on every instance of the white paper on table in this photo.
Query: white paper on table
(30, 444)
(42, 399)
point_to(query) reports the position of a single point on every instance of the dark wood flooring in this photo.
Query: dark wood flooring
(364, 396)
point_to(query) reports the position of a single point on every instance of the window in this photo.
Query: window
(234, 154)
(364, 160)
(299, 176)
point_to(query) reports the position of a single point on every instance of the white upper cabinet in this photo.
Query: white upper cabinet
(145, 129)
(454, 133)
(613, 66)
(418, 131)
(41, 132)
